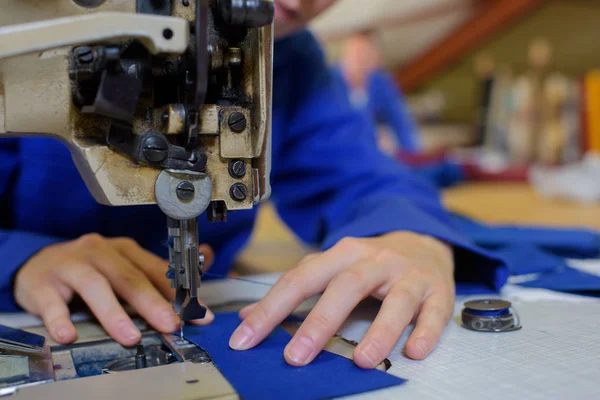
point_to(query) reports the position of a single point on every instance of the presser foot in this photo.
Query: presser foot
(189, 309)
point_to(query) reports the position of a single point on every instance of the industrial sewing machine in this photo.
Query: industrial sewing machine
(160, 102)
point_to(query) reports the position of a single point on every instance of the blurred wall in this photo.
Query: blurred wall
(573, 28)
(403, 28)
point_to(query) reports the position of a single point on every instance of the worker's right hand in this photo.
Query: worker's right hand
(99, 269)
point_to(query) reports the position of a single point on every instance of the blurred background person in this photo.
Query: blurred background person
(372, 89)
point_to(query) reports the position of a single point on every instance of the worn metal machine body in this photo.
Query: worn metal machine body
(159, 101)
(96, 367)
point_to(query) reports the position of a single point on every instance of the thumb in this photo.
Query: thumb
(209, 256)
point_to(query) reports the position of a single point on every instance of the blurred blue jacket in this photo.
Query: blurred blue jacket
(383, 101)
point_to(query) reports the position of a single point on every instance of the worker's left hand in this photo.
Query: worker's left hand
(411, 273)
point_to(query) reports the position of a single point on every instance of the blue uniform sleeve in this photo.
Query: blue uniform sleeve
(330, 180)
(390, 108)
(16, 247)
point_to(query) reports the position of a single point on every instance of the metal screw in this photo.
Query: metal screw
(235, 56)
(237, 122)
(238, 192)
(165, 118)
(156, 149)
(186, 190)
(84, 54)
(237, 169)
(168, 33)
(201, 262)
(201, 358)
(170, 68)
(140, 358)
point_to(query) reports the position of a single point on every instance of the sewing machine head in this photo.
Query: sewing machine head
(160, 102)
(139, 88)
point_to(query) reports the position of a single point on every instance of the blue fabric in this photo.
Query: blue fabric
(474, 288)
(329, 180)
(263, 374)
(386, 105)
(524, 259)
(550, 271)
(572, 243)
(390, 108)
(442, 174)
(539, 251)
(567, 279)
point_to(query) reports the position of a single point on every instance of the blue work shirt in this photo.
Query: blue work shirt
(329, 181)
(383, 101)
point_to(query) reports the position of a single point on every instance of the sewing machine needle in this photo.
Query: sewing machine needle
(181, 329)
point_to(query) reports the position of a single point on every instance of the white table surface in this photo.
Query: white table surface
(555, 355)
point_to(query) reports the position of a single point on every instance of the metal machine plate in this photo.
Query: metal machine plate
(183, 381)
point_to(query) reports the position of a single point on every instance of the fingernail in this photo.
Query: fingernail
(371, 353)
(422, 345)
(300, 349)
(129, 330)
(241, 338)
(63, 333)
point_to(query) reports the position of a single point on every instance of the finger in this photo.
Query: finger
(209, 256)
(308, 279)
(153, 266)
(95, 290)
(309, 257)
(52, 308)
(396, 312)
(433, 318)
(343, 294)
(136, 289)
(244, 312)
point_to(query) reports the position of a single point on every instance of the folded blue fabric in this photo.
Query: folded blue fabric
(473, 288)
(567, 279)
(541, 251)
(570, 243)
(553, 272)
(263, 374)
(442, 174)
(524, 259)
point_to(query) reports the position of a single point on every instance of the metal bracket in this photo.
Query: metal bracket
(169, 201)
(159, 34)
(235, 143)
(117, 97)
(154, 149)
